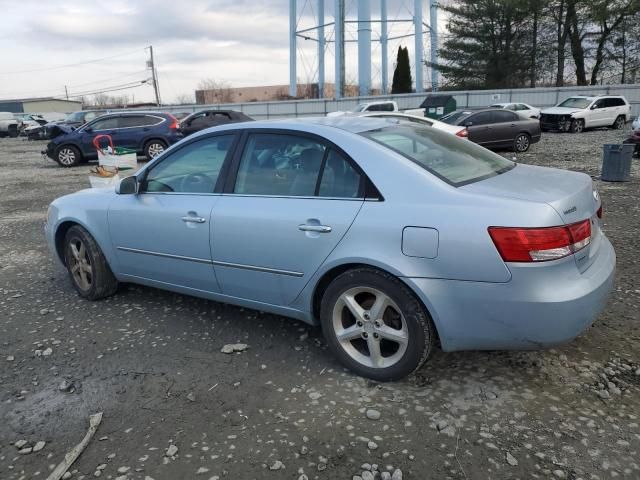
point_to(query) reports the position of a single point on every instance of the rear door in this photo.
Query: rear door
(505, 126)
(480, 128)
(289, 200)
(134, 129)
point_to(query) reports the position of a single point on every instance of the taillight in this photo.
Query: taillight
(599, 212)
(464, 133)
(540, 244)
(174, 123)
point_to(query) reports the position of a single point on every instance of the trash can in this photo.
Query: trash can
(616, 162)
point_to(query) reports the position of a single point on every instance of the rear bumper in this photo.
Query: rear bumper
(539, 307)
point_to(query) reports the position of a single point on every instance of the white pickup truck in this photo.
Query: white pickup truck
(379, 106)
(9, 126)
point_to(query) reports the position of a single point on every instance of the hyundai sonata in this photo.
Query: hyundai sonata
(389, 236)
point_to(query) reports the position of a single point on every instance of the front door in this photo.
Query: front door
(163, 232)
(599, 116)
(480, 129)
(291, 202)
(100, 126)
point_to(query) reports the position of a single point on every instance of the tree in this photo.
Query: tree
(216, 91)
(489, 43)
(402, 80)
(185, 99)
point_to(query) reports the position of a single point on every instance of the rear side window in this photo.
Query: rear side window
(192, 169)
(139, 121)
(456, 161)
(615, 102)
(482, 118)
(504, 116)
(339, 178)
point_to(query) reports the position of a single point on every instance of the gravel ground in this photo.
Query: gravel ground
(176, 407)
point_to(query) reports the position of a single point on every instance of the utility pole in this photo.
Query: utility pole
(154, 76)
(339, 47)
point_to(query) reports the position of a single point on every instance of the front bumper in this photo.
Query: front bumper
(555, 122)
(541, 306)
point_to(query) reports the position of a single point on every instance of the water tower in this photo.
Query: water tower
(364, 22)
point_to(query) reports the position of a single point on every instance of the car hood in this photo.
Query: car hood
(560, 110)
(568, 193)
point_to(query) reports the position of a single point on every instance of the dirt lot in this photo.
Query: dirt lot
(284, 409)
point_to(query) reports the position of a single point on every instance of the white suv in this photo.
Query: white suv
(577, 113)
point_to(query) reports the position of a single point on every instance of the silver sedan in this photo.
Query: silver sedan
(389, 236)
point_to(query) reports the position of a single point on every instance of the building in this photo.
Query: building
(268, 93)
(39, 105)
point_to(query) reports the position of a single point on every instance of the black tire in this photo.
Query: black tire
(151, 148)
(421, 333)
(13, 131)
(620, 122)
(68, 156)
(102, 281)
(522, 142)
(577, 126)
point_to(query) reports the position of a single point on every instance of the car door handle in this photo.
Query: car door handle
(191, 219)
(314, 228)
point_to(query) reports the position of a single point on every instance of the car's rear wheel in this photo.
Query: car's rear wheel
(153, 148)
(577, 126)
(620, 122)
(375, 325)
(68, 156)
(522, 142)
(88, 269)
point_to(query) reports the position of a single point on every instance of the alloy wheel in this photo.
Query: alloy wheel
(80, 264)
(522, 143)
(155, 149)
(67, 156)
(619, 123)
(370, 327)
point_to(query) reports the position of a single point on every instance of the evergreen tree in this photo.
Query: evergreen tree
(489, 44)
(402, 74)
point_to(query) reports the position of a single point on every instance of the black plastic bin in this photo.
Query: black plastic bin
(616, 162)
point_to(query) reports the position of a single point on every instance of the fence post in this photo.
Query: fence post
(295, 109)
(467, 106)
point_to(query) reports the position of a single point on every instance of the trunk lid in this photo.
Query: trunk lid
(570, 194)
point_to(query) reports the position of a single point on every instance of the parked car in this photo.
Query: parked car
(72, 120)
(149, 133)
(493, 128)
(210, 118)
(575, 114)
(379, 106)
(9, 126)
(388, 236)
(524, 110)
(414, 119)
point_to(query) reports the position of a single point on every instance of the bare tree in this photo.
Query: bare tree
(218, 91)
(185, 99)
(101, 100)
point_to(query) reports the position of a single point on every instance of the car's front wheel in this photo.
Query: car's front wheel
(375, 325)
(577, 126)
(522, 142)
(620, 122)
(88, 269)
(153, 148)
(68, 156)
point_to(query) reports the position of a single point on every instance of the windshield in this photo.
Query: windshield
(456, 161)
(454, 117)
(75, 117)
(576, 102)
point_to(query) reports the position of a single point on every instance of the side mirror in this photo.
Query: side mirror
(127, 186)
(468, 124)
(593, 107)
(88, 130)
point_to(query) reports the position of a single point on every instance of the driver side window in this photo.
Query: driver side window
(192, 169)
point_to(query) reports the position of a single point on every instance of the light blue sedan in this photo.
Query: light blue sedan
(390, 236)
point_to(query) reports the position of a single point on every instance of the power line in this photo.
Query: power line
(113, 88)
(70, 64)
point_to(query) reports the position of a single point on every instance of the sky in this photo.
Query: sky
(90, 45)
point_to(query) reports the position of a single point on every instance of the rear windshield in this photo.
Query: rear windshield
(456, 161)
(576, 102)
(455, 117)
